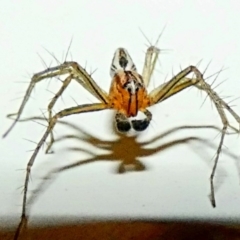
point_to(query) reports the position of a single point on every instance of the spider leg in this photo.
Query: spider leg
(76, 72)
(51, 105)
(149, 64)
(52, 123)
(179, 83)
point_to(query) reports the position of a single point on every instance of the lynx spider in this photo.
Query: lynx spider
(127, 96)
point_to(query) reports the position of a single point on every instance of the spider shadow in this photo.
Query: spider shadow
(124, 149)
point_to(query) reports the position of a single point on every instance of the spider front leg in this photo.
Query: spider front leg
(76, 72)
(50, 107)
(51, 125)
(65, 84)
(179, 83)
(49, 73)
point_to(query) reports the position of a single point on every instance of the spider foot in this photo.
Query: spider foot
(12, 115)
(49, 150)
(22, 227)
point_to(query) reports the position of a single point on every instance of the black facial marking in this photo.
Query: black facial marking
(127, 85)
(123, 62)
(123, 126)
(140, 125)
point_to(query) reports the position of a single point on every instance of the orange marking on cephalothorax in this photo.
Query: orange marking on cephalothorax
(128, 94)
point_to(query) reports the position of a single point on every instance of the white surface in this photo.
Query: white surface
(176, 181)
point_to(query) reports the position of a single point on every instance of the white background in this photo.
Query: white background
(175, 183)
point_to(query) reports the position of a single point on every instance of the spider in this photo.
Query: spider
(127, 96)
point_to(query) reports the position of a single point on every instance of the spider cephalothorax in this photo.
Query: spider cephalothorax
(128, 95)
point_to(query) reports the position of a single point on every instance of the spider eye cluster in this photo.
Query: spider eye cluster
(132, 86)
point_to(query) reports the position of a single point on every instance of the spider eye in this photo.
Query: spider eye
(131, 86)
